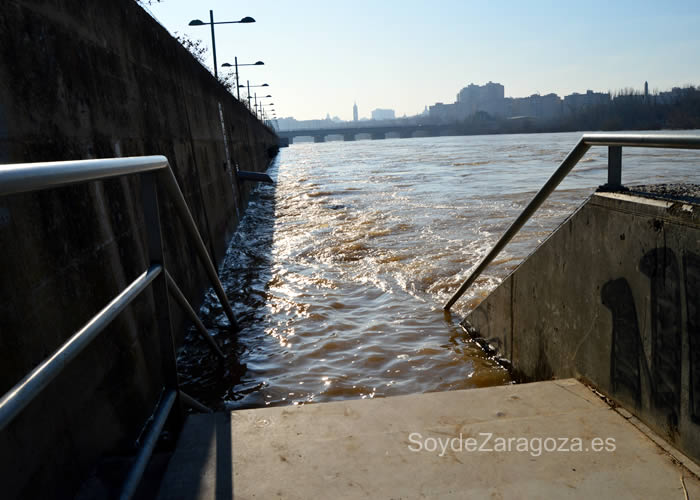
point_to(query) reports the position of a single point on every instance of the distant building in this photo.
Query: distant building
(354, 112)
(545, 107)
(549, 106)
(488, 98)
(670, 97)
(576, 102)
(445, 113)
(471, 99)
(383, 114)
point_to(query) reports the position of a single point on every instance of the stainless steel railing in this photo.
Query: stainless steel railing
(615, 142)
(22, 178)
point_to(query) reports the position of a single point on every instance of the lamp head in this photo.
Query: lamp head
(196, 22)
(247, 20)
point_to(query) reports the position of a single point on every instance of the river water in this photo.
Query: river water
(339, 270)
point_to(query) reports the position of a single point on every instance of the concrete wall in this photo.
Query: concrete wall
(612, 298)
(90, 80)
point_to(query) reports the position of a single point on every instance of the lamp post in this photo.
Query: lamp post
(271, 115)
(249, 85)
(197, 22)
(262, 109)
(267, 106)
(261, 98)
(238, 86)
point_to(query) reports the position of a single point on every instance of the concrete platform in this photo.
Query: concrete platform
(408, 447)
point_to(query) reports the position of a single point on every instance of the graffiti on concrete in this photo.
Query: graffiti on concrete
(628, 363)
(661, 267)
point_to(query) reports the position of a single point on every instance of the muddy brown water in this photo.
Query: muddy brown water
(339, 270)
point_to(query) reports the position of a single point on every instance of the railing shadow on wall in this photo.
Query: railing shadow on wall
(153, 170)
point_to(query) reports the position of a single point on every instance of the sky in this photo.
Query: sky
(321, 56)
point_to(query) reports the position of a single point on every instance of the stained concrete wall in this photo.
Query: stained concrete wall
(90, 80)
(612, 297)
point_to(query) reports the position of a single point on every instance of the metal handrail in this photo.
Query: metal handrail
(28, 177)
(615, 142)
(185, 306)
(17, 398)
(136, 473)
(181, 206)
(25, 177)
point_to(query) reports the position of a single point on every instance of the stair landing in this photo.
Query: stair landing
(384, 449)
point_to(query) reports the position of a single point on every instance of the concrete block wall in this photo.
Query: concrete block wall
(611, 297)
(94, 80)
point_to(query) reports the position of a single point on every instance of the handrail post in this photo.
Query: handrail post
(187, 308)
(154, 243)
(178, 200)
(614, 168)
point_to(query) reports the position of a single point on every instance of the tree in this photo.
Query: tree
(229, 81)
(194, 46)
(198, 50)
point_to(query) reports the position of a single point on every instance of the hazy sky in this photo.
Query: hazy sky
(322, 55)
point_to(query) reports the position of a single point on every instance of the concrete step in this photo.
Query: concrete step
(408, 447)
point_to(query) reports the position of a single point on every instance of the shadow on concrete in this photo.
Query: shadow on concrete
(202, 466)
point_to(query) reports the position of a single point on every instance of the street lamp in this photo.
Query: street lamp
(197, 22)
(262, 108)
(249, 85)
(261, 98)
(261, 104)
(238, 86)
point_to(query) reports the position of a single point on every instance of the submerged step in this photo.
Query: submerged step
(550, 439)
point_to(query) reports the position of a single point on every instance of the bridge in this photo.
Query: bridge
(374, 132)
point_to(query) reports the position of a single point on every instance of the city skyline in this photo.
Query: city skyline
(320, 57)
(433, 110)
